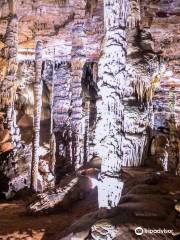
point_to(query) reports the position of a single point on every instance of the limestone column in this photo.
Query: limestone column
(37, 115)
(77, 63)
(111, 84)
(9, 85)
(61, 112)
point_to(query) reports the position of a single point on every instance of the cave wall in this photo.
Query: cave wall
(162, 19)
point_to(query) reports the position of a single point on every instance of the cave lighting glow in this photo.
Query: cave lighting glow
(109, 191)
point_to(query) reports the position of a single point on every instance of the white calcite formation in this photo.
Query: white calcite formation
(111, 83)
(112, 75)
(122, 120)
(105, 61)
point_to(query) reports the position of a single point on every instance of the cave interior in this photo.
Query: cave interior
(89, 119)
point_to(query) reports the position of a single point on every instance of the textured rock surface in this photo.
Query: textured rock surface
(52, 21)
(147, 201)
(37, 115)
(49, 200)
(110, 91)
(16, 168)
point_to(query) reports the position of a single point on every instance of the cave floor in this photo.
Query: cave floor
(15, 224)
(141, 196)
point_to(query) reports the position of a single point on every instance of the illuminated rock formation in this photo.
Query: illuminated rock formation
(112, 77)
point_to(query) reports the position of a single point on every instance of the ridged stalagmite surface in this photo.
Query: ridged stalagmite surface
(37, 115)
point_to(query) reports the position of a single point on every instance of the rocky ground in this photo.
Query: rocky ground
(16, 224)
(149, 201)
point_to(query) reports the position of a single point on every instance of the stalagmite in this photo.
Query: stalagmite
(37, 115)
(134, 14)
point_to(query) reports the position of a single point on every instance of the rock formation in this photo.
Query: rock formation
(88, 89)
(37, 115)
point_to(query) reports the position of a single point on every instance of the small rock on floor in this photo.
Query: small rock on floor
(177, 207)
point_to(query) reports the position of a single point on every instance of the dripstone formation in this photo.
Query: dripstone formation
(87, 85)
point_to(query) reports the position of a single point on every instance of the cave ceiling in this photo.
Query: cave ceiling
(52, 22)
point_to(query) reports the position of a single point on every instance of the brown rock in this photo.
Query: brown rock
(4, 136)
(81, 235)
(5, 147)
(25, 121)
(2, 45)
(1, 114)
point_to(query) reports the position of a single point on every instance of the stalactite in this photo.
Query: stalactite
(134, 14)
(61, 94)
(145, 88)
(144, 71)
(146, 76)
(37, 115)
